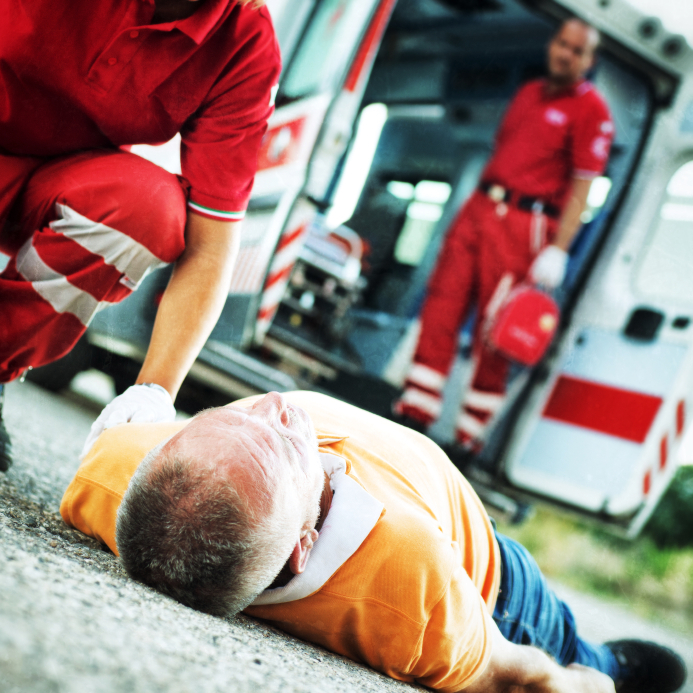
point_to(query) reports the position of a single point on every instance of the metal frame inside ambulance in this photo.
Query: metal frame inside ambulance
(444, 73)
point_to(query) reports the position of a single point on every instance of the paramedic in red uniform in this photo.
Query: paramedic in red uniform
(82, 219)
(554, 140)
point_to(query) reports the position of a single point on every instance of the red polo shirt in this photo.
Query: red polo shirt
(86, 74)
(546, 140)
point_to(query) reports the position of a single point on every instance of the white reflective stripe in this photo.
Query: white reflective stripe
(431, 404)
(426, 377)
(537, 232)
(116, 248)
(287, 255)
(55, 288)
(273, 294)
(489, 402)
(470, 425)
(499, 295)
(216, 213)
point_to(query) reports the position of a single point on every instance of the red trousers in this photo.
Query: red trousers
(81, 232)
(488, 248)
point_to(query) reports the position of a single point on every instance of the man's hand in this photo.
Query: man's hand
(548, 268)
(139, 404)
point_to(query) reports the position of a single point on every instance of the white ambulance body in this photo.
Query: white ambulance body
(385, 117)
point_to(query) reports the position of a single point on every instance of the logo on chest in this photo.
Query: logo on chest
(555, 117)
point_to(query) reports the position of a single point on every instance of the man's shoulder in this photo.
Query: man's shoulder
(405, 565)
(254, 24)
(532, 88)
(592, 100)
(92, 498)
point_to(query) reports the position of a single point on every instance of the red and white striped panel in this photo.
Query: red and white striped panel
(288, 145)
(598, 407)
(282, 264)
(280, 143)
(604, 435)
(255, 252)
(360, 67)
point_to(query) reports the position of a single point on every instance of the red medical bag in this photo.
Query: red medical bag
(524, 325)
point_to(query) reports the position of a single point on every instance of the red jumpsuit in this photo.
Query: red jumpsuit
(544, 142)
(83, 220)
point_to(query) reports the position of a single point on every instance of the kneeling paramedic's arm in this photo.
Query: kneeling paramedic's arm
(548, 268)
(192, 302)
(520, 668)
(189, 309)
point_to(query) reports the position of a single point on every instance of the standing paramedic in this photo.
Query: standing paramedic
(82, 219)
(553, 141)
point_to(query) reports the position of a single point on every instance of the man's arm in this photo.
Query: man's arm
(520, 669)
(189, 309)
(549, 266)
(192, 302)
(570, 219)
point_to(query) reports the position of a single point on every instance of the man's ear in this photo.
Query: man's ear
(299, 556)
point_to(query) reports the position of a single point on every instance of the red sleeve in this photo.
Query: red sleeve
(593, 132)
(220, 143)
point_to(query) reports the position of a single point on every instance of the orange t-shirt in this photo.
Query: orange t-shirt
(413, 601)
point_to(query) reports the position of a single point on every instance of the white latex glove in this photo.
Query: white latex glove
(548, 268)
(138, 404)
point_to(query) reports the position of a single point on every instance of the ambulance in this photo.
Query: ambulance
(385, 116)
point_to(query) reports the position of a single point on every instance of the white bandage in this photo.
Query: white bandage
(548, 268)
(138, 404)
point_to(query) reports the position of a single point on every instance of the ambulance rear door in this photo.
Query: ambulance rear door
(328, 49)
(603, 422)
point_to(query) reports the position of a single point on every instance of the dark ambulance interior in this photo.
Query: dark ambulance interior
(446, 71)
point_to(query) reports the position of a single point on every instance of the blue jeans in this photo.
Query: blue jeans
(529, 613)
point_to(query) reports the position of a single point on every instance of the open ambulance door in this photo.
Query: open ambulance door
(320, 90)
(604, 418)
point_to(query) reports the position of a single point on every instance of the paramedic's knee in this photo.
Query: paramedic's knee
(144, 202)
(112, 189)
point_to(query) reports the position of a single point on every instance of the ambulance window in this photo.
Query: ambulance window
(666, 268)
(428, 200)
(327, 45)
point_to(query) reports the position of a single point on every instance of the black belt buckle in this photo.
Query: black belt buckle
(495, 192)
(536, 206)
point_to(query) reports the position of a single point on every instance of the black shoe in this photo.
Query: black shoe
(647, 667)
(5, 443)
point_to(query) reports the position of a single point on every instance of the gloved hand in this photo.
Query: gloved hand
(138, 404)
(548, 268)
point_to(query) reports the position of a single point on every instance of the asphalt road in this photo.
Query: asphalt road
(72, 622)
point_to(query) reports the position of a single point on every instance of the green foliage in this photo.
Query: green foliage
(655, 582)
(671, 525)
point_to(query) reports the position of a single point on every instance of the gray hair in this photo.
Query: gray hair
(183, 530)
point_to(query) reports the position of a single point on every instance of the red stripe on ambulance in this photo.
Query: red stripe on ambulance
(282, 265)
(663, 452)
(370, 44)
(614, 411)
(680, 417)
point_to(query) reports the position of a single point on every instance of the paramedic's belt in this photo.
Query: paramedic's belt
(498, 193)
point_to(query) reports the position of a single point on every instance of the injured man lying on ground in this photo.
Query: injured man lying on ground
(348, 531)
